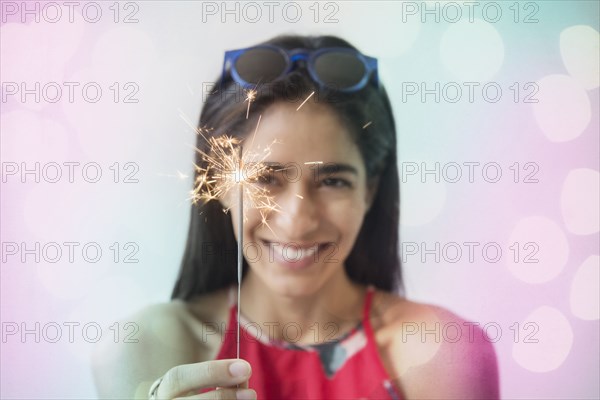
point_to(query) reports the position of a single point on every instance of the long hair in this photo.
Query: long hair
(209, 261)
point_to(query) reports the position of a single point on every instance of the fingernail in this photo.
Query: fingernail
(239, 369)
(245, 394)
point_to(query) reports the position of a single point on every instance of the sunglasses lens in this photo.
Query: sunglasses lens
(339, 70)
(260, 65)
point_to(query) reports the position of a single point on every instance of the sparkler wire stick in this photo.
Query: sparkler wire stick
(240, 243)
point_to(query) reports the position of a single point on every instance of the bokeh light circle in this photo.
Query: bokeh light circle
(580, 53)
(537, 250)
(585, 290)
(579, 201)
(563, 110)
(544, 341)
(472, 51)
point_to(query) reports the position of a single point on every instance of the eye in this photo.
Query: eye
(267, 178)
(336, 183)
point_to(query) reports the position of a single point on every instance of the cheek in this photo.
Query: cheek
(253, 219)
(231, 205)
(347, 216)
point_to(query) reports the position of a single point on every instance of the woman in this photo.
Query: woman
(320, 317)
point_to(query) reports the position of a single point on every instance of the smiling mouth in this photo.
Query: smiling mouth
(293, 254)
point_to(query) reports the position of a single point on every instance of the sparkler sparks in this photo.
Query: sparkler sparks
(250, 96)
(180, 175)
(305, 100)
(225, 168)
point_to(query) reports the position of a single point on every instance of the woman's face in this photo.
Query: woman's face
(321, 196)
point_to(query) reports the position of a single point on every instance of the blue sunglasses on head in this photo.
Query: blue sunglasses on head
(337, 68)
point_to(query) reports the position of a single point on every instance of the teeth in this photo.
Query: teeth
(292, 253)
(310, 251)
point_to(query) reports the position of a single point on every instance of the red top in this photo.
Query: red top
(346, 368)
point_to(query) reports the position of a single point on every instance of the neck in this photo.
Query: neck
(315, 316)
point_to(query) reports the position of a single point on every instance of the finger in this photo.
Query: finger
(209, 374)
(243, 385)
(222, 394)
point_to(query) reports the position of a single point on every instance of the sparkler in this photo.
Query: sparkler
(225, 168)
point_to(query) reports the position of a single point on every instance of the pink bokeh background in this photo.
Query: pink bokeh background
(152, 65)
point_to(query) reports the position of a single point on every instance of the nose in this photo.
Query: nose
(298, 218)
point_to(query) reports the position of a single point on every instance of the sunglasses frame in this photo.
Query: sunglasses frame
(309, 56)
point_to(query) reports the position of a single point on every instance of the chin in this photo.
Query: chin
(293, 286)
(295, 282)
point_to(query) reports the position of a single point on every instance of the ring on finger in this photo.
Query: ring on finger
(154, 389)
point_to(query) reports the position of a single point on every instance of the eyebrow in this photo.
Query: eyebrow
(322, 168)
(335, 168)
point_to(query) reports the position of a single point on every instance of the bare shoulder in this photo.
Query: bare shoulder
(166, 335)
(423, 343)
